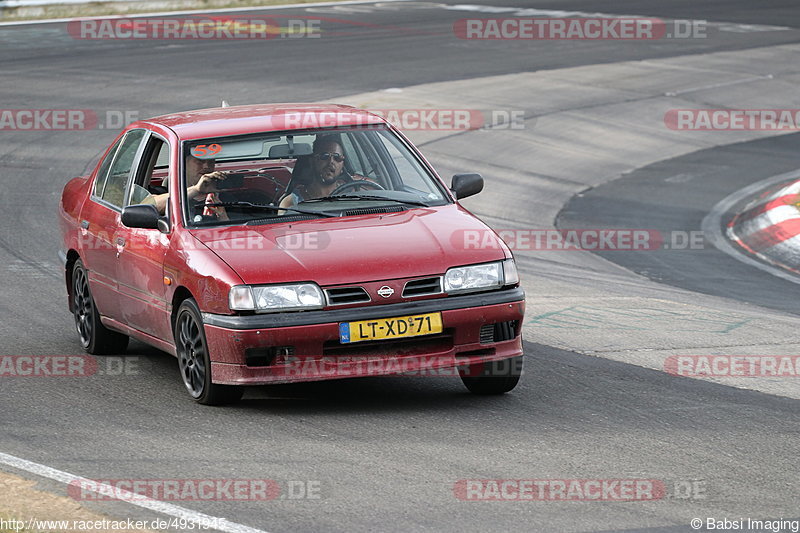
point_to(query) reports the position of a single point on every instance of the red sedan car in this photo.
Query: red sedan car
(283, 243)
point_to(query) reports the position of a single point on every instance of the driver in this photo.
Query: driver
(327, 171)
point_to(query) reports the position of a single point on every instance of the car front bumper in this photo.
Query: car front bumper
(309, 347)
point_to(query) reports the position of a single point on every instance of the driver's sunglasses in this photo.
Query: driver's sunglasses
(324, 156)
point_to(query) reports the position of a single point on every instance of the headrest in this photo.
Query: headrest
(302, 171)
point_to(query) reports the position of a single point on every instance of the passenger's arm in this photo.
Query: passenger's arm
(288, 201)
(160, 201)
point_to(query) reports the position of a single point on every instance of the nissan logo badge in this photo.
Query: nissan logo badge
(386, 291)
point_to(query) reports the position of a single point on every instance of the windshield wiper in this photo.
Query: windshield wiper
(364, 197)
(250, 205)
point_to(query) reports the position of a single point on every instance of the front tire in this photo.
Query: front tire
(494, 377)
(95, 338)
(194, 361)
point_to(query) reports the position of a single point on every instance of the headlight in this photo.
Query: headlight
(273, 298)
(483, 277)
(473, 278)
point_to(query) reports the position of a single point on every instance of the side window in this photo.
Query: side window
(102, 173)
(153, 167)
(117, 181)
(162, 161)
(355, 160)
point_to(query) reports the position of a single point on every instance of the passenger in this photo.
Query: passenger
(201, 187)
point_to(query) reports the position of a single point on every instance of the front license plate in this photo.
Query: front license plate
(390, 328)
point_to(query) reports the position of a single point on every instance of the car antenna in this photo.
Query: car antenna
(225, 104)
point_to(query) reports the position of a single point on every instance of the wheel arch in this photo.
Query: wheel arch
(178, 297)
(69, 266)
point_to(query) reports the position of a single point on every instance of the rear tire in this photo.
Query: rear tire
(494, 377)
(95, 338)
(194, 361)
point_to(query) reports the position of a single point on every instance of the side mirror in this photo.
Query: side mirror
(143, 216)
(464, 185)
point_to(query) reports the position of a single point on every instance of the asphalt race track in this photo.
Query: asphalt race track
(595, 402)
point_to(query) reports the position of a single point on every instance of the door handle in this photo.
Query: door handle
(120, 245)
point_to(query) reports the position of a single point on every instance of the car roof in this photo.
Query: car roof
(240, 120)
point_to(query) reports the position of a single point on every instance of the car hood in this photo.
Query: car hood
(333, 251)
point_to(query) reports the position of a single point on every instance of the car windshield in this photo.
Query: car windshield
(264, 178)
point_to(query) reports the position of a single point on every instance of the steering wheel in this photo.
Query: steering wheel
(355, 184)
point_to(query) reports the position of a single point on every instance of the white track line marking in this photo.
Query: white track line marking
(712, 225)
(127, 496)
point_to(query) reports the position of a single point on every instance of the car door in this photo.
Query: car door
(140, 266)
(100, 222)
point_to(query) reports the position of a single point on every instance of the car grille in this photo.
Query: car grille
(420, 287)
(501, 331)
(346, 295)
(487, 333)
